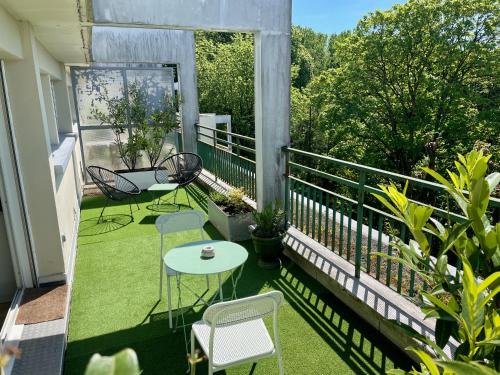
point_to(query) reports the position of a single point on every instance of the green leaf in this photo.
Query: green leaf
(443, 331)
(462, 368)
(493, 180)
(427, 360)
(442, 264)
(438, 303)
(122, 363)
(455, 234)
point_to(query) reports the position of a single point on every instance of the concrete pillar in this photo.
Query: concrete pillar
(63, 105)
(50, 109)
(189, 101)
(272, 114)
(25, 94)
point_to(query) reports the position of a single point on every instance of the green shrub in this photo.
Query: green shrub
(464, 304)
(270, 221)
(232, 203)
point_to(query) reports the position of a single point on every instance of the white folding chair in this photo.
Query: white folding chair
(232, 333)
(173, 223)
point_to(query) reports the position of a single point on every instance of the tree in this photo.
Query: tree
(425, 71)
(225, 78)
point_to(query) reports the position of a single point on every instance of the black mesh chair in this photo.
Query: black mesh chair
(177, 171)
(114, 187)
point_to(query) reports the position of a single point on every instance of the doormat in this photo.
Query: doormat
(42, 305)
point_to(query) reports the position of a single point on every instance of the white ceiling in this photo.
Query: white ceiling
(57, 25)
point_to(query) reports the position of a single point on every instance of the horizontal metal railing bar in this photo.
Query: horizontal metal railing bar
(340, 180)
(228, 152)
(226, 132)
(113, 67)
(439, 211)
(251, 150)
(495, 202)
(233, 154)
(340, 196)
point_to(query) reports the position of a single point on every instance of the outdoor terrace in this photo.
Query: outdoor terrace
(115, 303)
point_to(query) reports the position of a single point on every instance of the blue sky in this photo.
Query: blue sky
(334, 16)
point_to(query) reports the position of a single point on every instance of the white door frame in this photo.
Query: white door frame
(12, 197)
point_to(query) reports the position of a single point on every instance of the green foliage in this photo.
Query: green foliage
(224, 63)
(122, 363)
(270, 221)
(464, 303)
(410, 86)
(232, 203)
(150, 127)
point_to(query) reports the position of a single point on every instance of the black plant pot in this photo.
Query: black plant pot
(268, 250)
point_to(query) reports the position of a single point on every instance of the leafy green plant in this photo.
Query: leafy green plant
(122, 363)
(464, 302)
(150, 129)
(232, 203)
(270, 221)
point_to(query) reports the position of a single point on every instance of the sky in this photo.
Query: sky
(334, 16)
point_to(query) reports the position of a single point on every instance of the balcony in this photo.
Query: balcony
(338, 294)
(341, 272)
(115, 303)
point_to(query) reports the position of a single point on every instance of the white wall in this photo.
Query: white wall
(51, 201)
(67, 201)
(10, 38)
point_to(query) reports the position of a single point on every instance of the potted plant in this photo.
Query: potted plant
(268, 235)
(149, 131)
(230, 214)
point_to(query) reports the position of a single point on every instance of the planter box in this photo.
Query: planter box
(142, 178)
(233, 228)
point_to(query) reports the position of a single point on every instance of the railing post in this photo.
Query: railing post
(287, 186)
(359, 221)
(216, 164)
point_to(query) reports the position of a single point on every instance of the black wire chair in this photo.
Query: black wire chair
(181, 169)
(114, 187)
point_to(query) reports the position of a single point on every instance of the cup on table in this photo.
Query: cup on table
(208, 252)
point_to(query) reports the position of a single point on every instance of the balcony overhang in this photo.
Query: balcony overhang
(57, 25)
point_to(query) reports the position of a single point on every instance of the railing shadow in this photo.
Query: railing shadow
(359, 345)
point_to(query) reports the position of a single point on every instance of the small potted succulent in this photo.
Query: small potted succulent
(230, 214)
(268, 235)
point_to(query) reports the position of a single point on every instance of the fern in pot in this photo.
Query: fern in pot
(268, 235)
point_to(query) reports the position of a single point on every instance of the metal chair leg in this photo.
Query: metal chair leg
(187, 195)
(169, 303)
(137, 204)
(130, 207)
(102, 211)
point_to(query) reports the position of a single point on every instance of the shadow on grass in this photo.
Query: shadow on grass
(108, 223)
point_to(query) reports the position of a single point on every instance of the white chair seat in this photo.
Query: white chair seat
(235, 343)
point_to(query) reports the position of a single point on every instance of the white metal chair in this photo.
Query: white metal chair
(232, 333)
(173, 223)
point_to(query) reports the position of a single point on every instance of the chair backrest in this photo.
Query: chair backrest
(182, 168)
(244, 309)
(110, 183)
(181, 221)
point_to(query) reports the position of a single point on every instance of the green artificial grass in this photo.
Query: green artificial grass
(115, 303)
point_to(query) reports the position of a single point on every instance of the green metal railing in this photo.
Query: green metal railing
(230, 157)
(330, 201)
